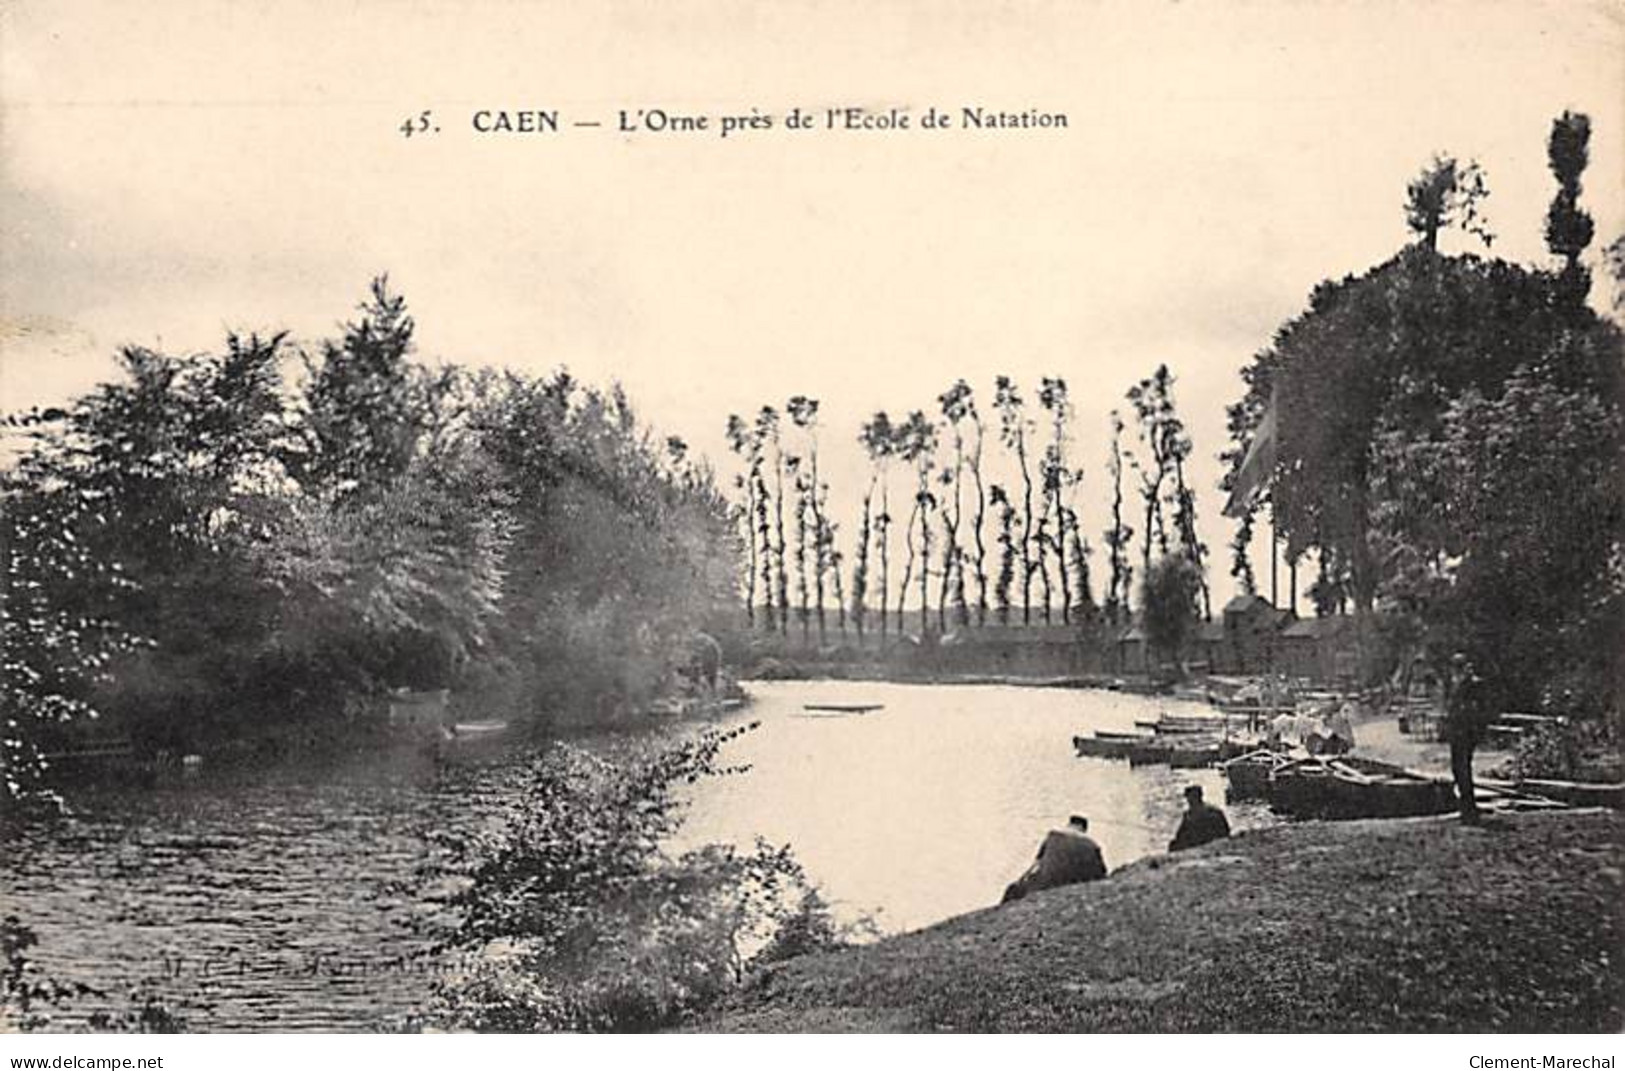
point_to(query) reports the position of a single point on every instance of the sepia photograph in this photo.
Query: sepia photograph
(722, 518)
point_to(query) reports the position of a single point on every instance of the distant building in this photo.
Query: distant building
(1252, 637)
(1251, 627)
(1319, 648)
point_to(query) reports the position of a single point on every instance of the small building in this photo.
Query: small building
(1210, 648)
(1132, 651)
(1319, 648)
(1252, 627)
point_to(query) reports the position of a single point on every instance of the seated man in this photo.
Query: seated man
(1066, 857)
(1200, 824)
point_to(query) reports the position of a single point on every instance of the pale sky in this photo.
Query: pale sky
(173, 170)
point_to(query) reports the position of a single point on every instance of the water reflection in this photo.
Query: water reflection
(286, 898)
(927, 808)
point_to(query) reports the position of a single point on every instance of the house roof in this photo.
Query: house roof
(1314, 628)
(1246, 604)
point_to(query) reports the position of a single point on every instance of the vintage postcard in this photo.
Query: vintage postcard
(901, 517)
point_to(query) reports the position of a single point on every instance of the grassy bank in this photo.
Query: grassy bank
(1420, 925)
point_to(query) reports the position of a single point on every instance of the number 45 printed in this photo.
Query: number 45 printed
(422, 123)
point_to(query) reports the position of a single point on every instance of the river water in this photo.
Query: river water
(286, 898)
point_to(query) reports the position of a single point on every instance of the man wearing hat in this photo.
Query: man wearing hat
(1201, 823)
(1066, 857)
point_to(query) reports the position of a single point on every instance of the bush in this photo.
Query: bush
(573, 917)
(1571, 751)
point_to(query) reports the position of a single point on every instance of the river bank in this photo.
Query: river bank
(1414, 925)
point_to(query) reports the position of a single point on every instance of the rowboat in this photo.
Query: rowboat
(1247, 777)
(1163, 727)
(1193, 755)
(1348, 787)
(1149, 753)
(1107, 745)
(478, 730)
(842, 708)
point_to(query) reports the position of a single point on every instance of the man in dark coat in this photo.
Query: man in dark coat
(1200, 824)
(1468, 703)
(1066, 857)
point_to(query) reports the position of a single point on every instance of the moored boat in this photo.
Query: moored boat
(1247, 776)
(1106, 744)
(1149, 753)
(1349, 787)
(1194, 755)
(842, 708)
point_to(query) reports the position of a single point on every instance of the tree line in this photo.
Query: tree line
(260, 543)
(975, 551)
(1448, 449)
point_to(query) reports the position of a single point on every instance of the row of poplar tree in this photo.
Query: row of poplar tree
(975, 551)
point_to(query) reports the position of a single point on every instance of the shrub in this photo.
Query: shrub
(574, 917)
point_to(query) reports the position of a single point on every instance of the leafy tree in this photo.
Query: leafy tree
(1506, 527)
(1007, 552)
(1057, 479)
(1241, 564)
(1169, 608)
(978, 523)
(617, 557)
(744, 443)
(958, 407)
(1568, 226)
(1380, 363)
(364, 413)
(1119, 536)
(57, 635)
(1444, 193)
(1082, 607)
(878, 439)
(1392, 345)
(1161, 434)
(178, 470)
(803, 413)
(917, 446)
(767, 428)
(1014, 427)
(803, 489)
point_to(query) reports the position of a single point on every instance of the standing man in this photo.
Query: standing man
(1200, 824)
(1466, 714)
(1066, 857)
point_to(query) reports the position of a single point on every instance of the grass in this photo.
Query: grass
(1421, 925)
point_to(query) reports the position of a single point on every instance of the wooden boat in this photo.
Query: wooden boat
(1093, 747)
(842, 708)
(1149, 753)
(1247, 776)
(1577, 794)
(479, 730)
(1349, 787)
(1194, 755)
(1167, 728)
(1108, 745)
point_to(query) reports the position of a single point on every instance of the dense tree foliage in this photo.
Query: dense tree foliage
(1170, 596)
(1449, 448)
(210, 556)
